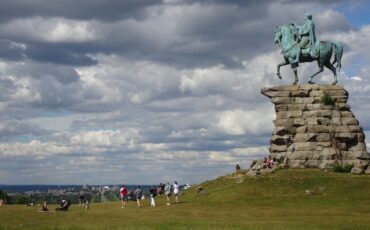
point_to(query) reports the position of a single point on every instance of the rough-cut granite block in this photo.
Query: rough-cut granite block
(323, 135)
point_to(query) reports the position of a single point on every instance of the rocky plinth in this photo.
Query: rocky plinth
(315, 127)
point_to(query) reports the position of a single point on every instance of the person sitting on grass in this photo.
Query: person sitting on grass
(44, 207)
(270, 162)
(265, 163)
(64, 205)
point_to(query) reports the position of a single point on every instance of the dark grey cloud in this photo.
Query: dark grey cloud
(59, 54)
(173, 84)
(105, 10)
(6, 86)
(10, 51)
(249, 3)
(74, 54)
(213, 33)
(16, 129)
(61, 73)
(206, 33)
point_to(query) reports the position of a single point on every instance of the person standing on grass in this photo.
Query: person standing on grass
(138, 194)
(167, 190)
(123, 196)
(176, 191)
(82, 198)
(162, 188)
(87, 205)
(153, 194)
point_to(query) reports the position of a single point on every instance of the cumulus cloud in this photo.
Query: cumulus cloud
(168, 89)
(51, 30)
(239, 122)
(16, 128)
(87, 10)
(83, 142)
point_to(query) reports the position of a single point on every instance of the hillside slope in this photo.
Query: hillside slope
(286, 199)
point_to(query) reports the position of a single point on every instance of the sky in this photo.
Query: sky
(149, 91)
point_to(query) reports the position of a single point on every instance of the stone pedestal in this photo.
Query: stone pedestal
(315, 127)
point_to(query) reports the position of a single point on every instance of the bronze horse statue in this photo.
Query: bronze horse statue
(287, 38)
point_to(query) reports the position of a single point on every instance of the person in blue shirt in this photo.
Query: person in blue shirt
(138, 194)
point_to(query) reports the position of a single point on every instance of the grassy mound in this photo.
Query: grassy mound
(286, 199)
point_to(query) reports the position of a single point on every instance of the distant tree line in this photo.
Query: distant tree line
(39, 198)
(4, 195)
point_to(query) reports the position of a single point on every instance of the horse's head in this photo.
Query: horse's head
(284, 34)
(277, 38)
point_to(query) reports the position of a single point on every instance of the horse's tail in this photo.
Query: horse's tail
(338, 54)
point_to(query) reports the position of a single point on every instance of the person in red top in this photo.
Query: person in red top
(123, 195)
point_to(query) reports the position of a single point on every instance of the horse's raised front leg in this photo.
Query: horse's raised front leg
(313, 75)
(283, 63)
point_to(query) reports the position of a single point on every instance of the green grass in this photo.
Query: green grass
(273, 201)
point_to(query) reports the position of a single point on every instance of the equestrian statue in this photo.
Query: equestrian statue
(299, 44)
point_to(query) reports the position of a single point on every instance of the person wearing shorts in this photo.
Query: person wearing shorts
(138, 194)
(167, 191)
(82, 198)
(123, 196)
(176, 191)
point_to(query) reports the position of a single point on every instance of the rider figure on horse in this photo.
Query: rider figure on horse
(294, 40)
(306, 37)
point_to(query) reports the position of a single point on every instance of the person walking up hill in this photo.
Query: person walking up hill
(167, 190)
(176, 192)
(153, 194)
(138, 194)
(123, 196)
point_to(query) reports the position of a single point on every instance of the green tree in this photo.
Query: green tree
(22, 199)
(4, 195)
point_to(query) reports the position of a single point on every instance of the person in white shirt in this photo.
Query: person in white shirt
(176, 191)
